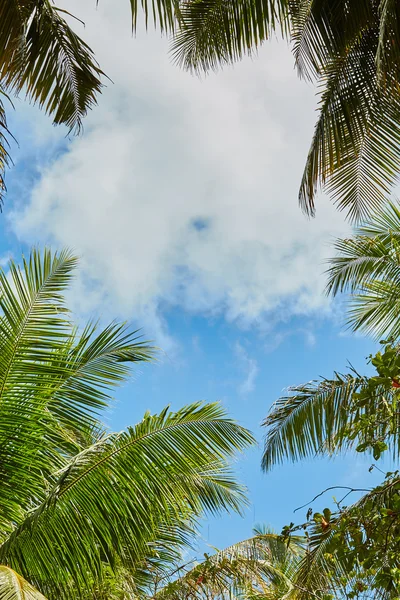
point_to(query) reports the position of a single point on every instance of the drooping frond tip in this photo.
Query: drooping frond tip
(214, 33)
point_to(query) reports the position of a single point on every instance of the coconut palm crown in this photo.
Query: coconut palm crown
(76, 500)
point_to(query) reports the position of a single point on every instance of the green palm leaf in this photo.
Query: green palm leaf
(387, 56)
(78, 504)
(368, 265)
(33, 322)
(45, 58)
(321, 418)
(355, 148)
(53, 384)
(313, 419)
(246, 569)
(42, 56)
(15, 587)
(112, 498)
(325, 567)
(5, 159)
(163, 13)
(322, 31)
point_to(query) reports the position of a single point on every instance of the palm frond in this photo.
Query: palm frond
(86, 367)
(42, 56)
(324, 569)
(13, 16)
(32, 324)
(53, 382)
(322, 31)
(388, 52)
(213, 33)
(246, 568)
(376, 310)
(112, 499)
(15, 587)
(365, 175)
(311, 420)
(368, 265)
(355, 148)
(53, 65)
(5, 158)
(164, 14)
(315, 574)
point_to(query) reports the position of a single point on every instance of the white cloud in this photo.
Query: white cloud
(276, 338)
(249, 366)
(183, 192)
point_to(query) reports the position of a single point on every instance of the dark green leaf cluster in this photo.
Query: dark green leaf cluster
(354, 552)
(42, 57)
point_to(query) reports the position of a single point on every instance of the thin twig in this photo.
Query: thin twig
(333, 487)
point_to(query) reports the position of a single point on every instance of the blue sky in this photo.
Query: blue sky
(181, 198)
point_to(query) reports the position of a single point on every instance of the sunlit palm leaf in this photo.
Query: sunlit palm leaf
(254, 566)
(321, 417)
(113, 497)
(33, 323)
(53, 383)
(15, 587)
(75, 502)
(368, 265)
(315, 574)
(87, 366)
(376, 312)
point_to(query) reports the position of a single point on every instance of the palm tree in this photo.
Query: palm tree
(260, 567)
(352, 411)
(357, 547)
(351, 49)
(77, 501)
(42, 56)
(368, 266)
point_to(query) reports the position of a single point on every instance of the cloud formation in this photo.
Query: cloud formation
(249, 366)
(183, 193)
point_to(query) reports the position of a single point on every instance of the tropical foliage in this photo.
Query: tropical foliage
(367, 265)
(356, 548)
(351, 49)
(41, 56)
(259, 567)
(78, 502)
